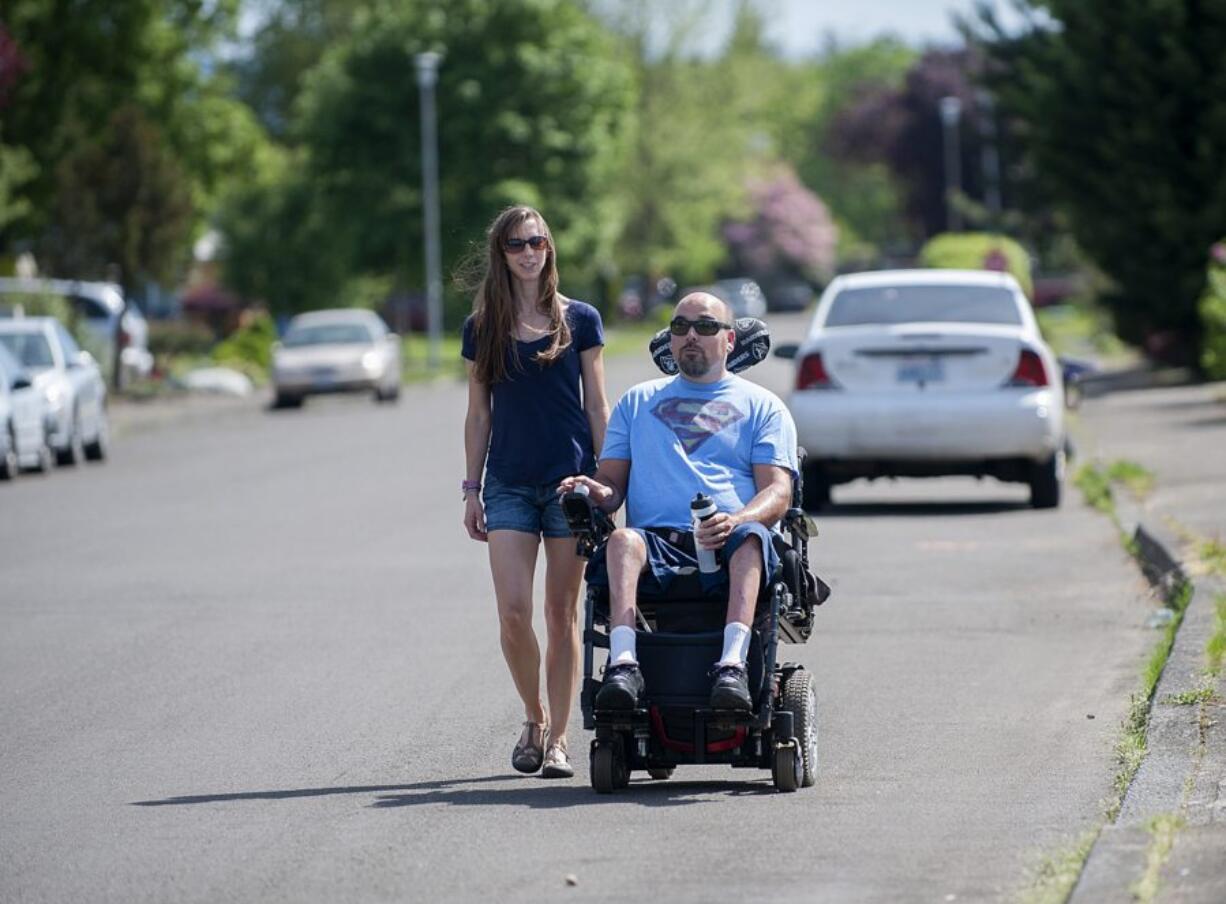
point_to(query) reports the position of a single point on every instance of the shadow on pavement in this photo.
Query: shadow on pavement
(520, 791)
(917, 509)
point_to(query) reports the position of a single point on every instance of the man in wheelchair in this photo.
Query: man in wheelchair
(705, 431)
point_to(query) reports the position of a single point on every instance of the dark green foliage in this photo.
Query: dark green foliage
(121, 202)
(1124, 113)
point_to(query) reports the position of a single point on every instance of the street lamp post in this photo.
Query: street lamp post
(427, 77)
(951, 113)
(990, 157)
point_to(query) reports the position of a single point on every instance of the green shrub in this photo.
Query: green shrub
(1213, 316)
(250, 346)
(973, 250)
(179, 337)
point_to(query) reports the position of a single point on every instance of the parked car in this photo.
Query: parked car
(343, 350)
(23, 420)
(788, 295)
(924, 373)
(117, 330)
(70, 382)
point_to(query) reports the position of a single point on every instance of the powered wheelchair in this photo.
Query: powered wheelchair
(680, 636)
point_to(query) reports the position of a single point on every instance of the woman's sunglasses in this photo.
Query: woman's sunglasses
(679, 326)
(535, 242)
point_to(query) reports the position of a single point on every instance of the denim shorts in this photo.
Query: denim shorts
(533, 508)
(672, 567)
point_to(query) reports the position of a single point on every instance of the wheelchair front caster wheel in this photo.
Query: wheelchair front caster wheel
(661, 773)
(788, 769)
(608, 767)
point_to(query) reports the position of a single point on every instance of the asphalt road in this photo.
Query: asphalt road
(255, 658)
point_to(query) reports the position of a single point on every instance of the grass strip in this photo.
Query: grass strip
(1215, 647)
(1055, 877)
(1095, 488)
(1138, 479)
(1162, 832)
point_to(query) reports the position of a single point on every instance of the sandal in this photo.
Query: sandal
(557, 763)
(529, 751)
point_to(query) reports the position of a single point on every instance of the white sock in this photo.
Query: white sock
(621, 646)
(736, 644)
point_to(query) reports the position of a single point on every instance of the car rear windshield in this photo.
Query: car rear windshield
(31, 349)
(327, 334)
(923, 304)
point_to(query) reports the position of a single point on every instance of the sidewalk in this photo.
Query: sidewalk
(131, 416)
(1178, 434)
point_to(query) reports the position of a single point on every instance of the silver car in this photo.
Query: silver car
(69, 380)
(344, 350)
(23, 420)
(113, 327)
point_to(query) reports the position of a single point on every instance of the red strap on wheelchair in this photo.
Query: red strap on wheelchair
(732, 743)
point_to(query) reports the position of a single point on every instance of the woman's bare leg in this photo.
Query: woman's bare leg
(563, 576)
(513, 564)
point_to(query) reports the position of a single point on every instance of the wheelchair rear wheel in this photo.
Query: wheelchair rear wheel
(608, 766)
(799, 696)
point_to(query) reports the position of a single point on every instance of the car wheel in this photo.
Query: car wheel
(98, 448)
(72, 453)
(1045, 480)
(45, 458)
(8, 461)
(815, 487)
(286, 400)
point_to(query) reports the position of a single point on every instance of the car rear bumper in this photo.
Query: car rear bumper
(309, 386)
(947, 427)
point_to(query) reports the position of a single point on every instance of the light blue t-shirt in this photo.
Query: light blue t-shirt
(682, 438)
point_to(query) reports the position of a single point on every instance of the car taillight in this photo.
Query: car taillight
(1030, 370)
(812, 373)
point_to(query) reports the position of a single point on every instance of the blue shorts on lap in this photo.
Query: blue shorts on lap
(532, 508)
(671, 561)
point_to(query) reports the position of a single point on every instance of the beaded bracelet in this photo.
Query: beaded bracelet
(467, 486)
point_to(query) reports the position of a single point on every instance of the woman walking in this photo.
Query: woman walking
(537, 412)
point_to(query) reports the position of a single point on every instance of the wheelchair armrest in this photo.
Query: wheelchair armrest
(589, 525)
(797, 523)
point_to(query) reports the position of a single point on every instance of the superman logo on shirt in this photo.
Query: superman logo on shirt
(694, 421)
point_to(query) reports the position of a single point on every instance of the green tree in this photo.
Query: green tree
(1124, 108)
(532, 101)
(122, 201)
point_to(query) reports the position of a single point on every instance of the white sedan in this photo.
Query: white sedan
(23, 420)
(925, 373)
(341, 350)
(69, 380)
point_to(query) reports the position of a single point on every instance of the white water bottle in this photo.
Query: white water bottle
(702, 508)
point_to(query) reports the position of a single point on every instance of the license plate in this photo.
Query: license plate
(921, 370)
(324, 376)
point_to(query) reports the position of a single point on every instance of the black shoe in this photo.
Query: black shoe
(622, 688)
(730, 688)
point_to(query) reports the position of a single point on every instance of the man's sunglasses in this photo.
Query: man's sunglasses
(679, 326)
(535, 242)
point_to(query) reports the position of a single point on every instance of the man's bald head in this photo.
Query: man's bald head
(702, 358)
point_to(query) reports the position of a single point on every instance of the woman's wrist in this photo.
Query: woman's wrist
(470, 488)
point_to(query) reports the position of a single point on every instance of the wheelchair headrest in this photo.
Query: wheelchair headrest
(753, 342)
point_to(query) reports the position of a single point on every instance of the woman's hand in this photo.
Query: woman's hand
(598, 492)
(474, 517)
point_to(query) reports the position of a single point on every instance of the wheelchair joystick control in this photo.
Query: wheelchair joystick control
(581, 490)
(702, 508)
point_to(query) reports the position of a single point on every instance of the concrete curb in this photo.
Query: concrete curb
(1184, 770)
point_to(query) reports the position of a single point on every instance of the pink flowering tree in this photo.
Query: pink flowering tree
(791, 233)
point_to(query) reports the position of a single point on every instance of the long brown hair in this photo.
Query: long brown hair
(494, 304)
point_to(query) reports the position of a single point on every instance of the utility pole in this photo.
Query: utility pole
(990, 157)
(427, 78)
(951, 114)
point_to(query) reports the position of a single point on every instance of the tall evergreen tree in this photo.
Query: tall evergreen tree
(1123, 104)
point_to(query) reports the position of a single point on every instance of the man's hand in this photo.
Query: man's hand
(713, 533)
(600, 494)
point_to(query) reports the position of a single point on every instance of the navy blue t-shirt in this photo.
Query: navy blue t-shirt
(540, 432)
